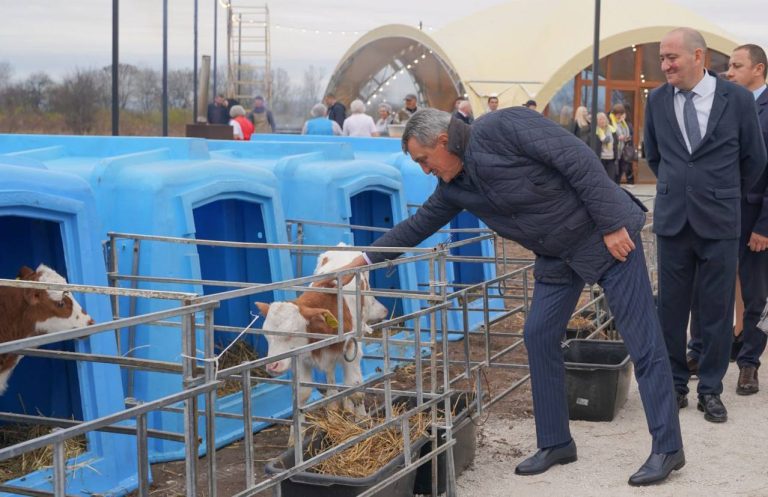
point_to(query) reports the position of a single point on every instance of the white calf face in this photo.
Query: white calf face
(58, 310)
(375, 310)
(282, 316)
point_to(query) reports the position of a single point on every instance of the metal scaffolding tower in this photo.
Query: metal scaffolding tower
(249, 58)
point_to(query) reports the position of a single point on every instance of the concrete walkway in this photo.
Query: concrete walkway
(730, 459)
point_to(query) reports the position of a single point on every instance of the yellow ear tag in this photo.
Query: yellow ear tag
(330, 320)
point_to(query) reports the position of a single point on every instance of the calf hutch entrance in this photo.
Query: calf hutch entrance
(374, 208)
(233, 220)
(50, 218)
(38, 385)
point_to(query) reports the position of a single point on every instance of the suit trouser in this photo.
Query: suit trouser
(628, 292)
(690, 265)
(753, 274)
(753, 278)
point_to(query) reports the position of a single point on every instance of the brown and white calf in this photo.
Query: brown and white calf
(313, 312)
(372, 310)
(25, 312)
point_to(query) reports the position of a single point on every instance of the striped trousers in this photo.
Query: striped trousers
(628, 292)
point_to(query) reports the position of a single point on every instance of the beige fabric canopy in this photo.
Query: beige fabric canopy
(519, 50)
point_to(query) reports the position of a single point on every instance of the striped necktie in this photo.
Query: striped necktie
(690, 120)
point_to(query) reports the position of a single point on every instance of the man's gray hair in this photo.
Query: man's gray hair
(425, 126)
(318, 110)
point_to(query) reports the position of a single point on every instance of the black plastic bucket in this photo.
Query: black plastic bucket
(309, 484)
(597, 374)
(465, 434)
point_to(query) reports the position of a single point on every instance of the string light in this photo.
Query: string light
(330, 32)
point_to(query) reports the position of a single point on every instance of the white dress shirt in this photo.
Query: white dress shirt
(702, 100)
(758, 92)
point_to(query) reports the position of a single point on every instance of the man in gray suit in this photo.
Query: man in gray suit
(703, 142)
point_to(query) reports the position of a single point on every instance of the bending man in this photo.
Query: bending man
(533, 182)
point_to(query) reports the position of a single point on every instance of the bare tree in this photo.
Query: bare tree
(6, 75)
(312, 88)
(180, 88)
(37, 89)
(148, 90)
(126, 84)
(282, 90)
(74, 99)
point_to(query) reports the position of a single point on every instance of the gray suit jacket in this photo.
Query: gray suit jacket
(704, 188)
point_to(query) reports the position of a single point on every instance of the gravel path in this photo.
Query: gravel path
(722, 460)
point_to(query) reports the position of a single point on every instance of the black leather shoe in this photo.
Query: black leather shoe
(657, 468)
(713, 408)
(546, 458)
(693, 365)
(682, 401)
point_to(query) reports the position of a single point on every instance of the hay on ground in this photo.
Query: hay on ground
(364, 458)
(41, 458)
(239, 353)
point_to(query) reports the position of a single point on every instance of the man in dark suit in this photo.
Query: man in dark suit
(464, 112)
(336, 110)
(535, 183)
(748, 67)
(703, 142)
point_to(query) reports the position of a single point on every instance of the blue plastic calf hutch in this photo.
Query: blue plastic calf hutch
(171, 187)
(50, 217)
(324, 182)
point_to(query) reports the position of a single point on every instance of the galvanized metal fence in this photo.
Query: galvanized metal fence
(497, 299)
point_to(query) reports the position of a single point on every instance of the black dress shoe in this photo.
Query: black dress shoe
(713, 408)
(546, 458)
(682, 401)
(693, 365)
(657, 467)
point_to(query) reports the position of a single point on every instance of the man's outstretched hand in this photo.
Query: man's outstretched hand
(619, 244)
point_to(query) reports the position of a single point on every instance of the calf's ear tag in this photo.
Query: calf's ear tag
(330, 320)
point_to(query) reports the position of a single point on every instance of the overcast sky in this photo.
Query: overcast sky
(56, 36)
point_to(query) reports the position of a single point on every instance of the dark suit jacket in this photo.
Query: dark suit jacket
(533, 182)
(337, 112)
(466, 119)
(704, 188)
(754, 206)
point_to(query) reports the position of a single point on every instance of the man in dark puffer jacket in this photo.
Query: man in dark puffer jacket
(533, 182)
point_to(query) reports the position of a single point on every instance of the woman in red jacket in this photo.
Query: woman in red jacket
(243, 128)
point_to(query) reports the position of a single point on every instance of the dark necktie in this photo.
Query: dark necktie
(690, 120)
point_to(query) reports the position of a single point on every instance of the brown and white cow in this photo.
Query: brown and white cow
(25, 312)
(372, 310)
(313, 312)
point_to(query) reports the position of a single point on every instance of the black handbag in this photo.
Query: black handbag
(629, 152)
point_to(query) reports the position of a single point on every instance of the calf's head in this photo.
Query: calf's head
(52, 310)
(292, 317)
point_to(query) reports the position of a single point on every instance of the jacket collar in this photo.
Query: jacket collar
(762, 99)
(718, 106)
(458, 137)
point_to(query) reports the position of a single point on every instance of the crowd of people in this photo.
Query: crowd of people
(331, 118)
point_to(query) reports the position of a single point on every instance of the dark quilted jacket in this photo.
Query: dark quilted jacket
(532, 182)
